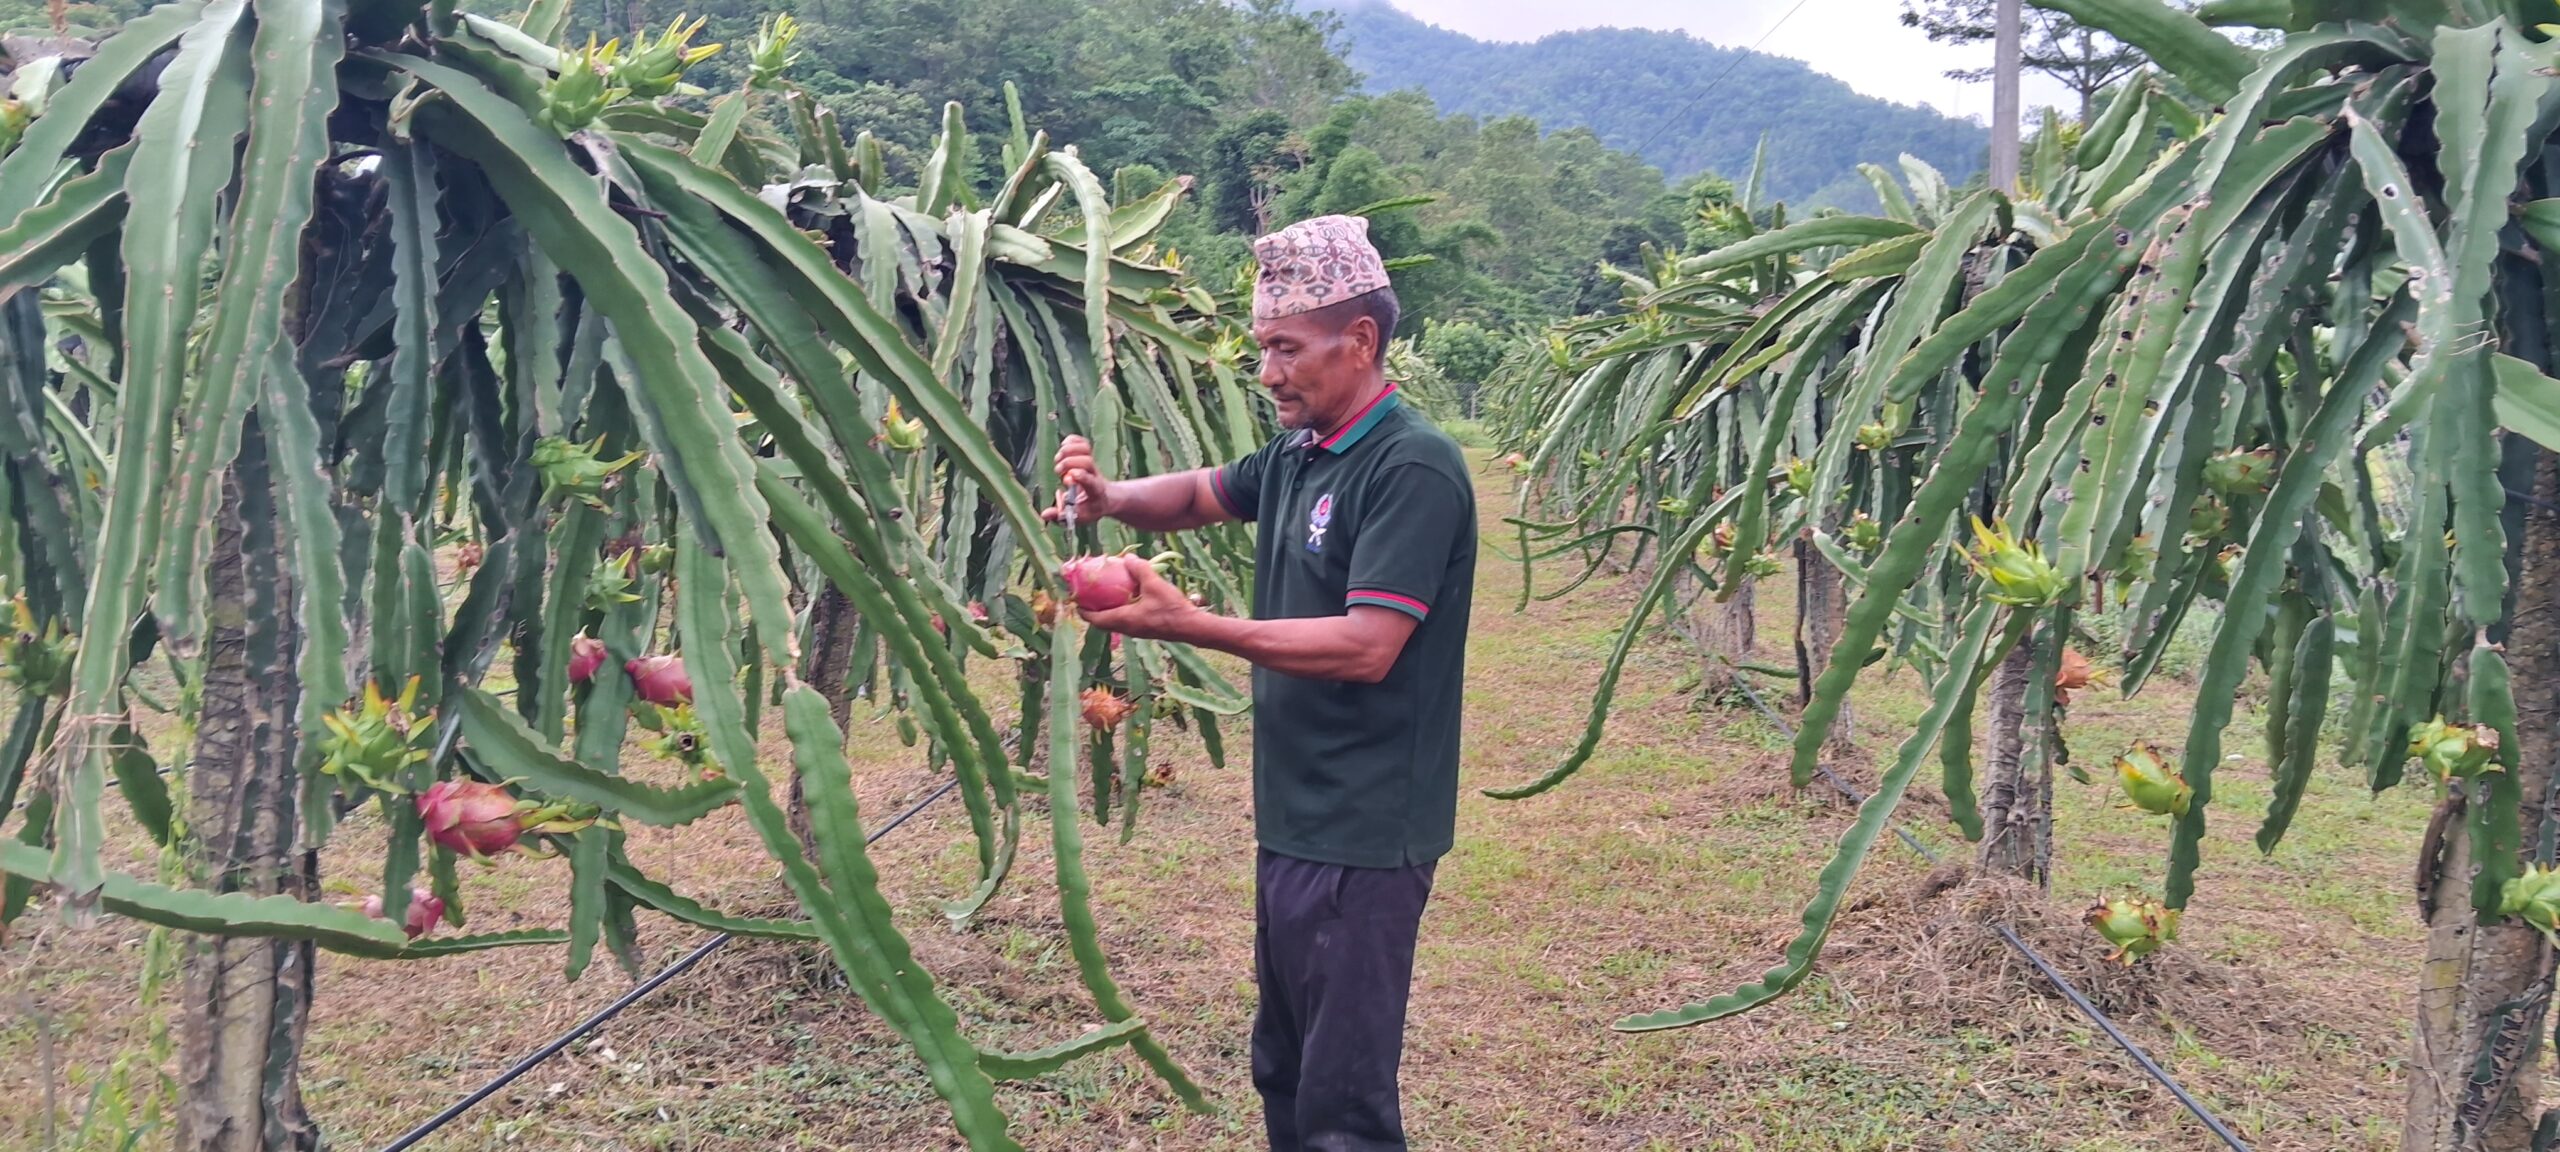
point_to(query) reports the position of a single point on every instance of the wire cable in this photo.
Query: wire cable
(609, 1011)
(1738, 58)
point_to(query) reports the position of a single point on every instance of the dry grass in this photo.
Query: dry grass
(1673, 868)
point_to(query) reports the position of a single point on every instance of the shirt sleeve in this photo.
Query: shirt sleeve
(1411, 521)
(1238, 485)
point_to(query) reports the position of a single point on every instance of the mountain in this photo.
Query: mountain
(1650, 92)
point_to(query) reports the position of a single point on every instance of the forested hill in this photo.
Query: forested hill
(1623, 84)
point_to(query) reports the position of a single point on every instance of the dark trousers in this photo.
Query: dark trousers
(1333, 952)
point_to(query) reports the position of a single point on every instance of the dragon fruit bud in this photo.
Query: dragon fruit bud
(660, 680)
(424, 911)
(1099, 583)
(470, 817)
(2137, 927)
(1105, 709)
(586, 654)
(2150, 784)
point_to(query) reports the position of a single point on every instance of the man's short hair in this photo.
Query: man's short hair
(1379, 305)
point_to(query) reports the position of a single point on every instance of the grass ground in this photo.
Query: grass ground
(1671, 869)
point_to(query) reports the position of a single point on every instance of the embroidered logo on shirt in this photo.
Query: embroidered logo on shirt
(1318, 518)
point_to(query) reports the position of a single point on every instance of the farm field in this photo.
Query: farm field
(1672, 868)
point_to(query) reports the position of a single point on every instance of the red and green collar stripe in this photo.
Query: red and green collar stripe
(1380, 598)
(1361, 422)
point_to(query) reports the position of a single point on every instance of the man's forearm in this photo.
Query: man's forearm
(1171, 503)
(1316, 647)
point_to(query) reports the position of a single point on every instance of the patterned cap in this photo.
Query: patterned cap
(1314, 263)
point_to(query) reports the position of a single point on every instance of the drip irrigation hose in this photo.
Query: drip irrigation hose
(609, 1011)
(2044, 967)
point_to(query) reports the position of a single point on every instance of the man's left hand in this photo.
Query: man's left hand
(1160, 611)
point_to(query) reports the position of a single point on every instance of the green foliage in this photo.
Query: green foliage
(1648, 91)
(455, 344)
(2150, 366)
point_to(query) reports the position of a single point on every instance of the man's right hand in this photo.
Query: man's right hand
(1076, 473)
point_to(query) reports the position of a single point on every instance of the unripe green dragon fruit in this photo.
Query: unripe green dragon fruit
(1863, 533)
(2019, 573)
(2137, 927)
(584, 88)
(374, 740)
(2207, 519)
(572, 470)
(772, 53)
(2150, 783)
(37, 662)
(2452, 750)
(680, 736)
(654, 67)
(1873, 437)
(1672, 506)
(1799, 476)
(900, 433)
(609, 584)
(2241, 471)
(2534, 898)
(1761, 565)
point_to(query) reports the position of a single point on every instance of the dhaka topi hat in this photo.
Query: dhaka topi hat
(1315, 263)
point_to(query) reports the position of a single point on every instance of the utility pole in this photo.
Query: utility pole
(2004, 98)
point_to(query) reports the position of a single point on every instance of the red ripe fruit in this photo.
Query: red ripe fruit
(1099, 583)
(660, 680)
(470, 817)
(586, 654)
(424, 911)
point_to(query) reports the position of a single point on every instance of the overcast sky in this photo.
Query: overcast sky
(1860, 41)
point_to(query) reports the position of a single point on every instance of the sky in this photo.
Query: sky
(1862, 42)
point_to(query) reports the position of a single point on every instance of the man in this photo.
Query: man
(1364, 565)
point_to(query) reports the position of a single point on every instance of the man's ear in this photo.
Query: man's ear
(1363, 335)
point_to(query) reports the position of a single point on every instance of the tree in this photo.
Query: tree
(2084, 59)
(1464, 352)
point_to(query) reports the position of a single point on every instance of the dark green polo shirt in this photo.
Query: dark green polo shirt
(1383, 513)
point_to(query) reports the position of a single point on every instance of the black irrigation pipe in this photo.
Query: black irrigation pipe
(609, 1011)
(2043, 966)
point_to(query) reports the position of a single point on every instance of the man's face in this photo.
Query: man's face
(1313, 364)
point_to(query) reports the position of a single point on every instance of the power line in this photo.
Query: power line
(1738, 58)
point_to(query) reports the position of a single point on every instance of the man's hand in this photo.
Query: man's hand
(1160, 611)
(1076, 473)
